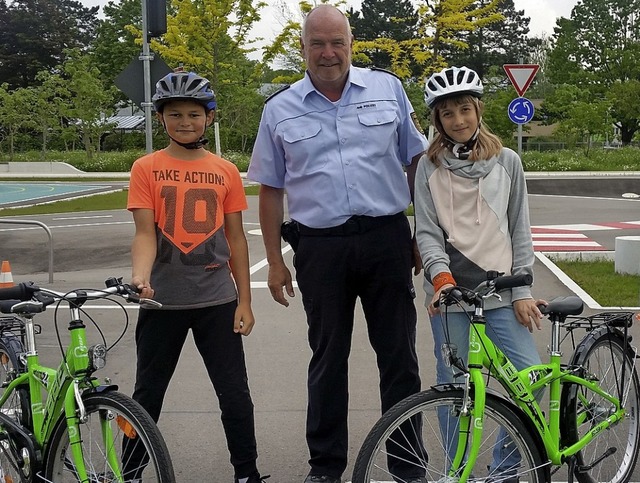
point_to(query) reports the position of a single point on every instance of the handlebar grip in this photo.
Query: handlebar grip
(511, 281)
(22, 291)
(7, 305)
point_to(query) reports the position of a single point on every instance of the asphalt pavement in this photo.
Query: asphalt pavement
(277, 355)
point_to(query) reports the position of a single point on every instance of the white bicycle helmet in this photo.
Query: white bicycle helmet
(452, 81)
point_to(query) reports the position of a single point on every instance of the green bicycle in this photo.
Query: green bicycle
(64, 425)
(471, 432)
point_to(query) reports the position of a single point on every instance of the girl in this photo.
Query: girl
(472, 216)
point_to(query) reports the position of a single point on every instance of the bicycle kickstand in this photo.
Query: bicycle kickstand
(571, 468)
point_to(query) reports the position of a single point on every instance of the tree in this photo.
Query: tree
(439, 22)
(46, 112)
(86, 102)
(495, 115)
(579, 115)
(211, 37)
(625, 107)
(495, 43)
(37, 34)
(115, 45)
(382, 19)
(597, 49)
(13, 106)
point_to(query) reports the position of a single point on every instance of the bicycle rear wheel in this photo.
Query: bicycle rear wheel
(17, 405)
(432, 417)
(12, 467)
(131, 438)
(608, 360)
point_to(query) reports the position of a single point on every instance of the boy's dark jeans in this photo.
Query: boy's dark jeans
(160, 336)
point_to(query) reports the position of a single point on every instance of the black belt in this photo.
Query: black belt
(353, 226)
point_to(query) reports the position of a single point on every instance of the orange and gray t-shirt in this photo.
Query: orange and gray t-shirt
(189, 200)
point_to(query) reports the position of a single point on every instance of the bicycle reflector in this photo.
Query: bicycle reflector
(98, 356)
(126, 427)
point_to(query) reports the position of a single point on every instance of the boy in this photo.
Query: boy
(190, 253)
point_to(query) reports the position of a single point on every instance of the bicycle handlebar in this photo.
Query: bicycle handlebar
(26, 297)
(22, 291)
(494, 284)
(512, 281)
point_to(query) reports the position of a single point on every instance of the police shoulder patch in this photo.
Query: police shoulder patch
(378, 69)
(416, 122)
(279, 91)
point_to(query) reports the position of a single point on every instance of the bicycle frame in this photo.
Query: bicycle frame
(521, 387)
(63, 389)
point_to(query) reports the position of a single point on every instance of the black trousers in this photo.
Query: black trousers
(160, 336)
(332, 271)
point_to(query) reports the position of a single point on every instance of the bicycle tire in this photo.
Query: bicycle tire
(18, 405)
(148, 459)
(601, 353)
(418, 414)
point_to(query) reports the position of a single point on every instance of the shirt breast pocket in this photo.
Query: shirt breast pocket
(379, 131)
(304, 148)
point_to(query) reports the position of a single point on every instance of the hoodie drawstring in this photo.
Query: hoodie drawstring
(479, 203)
(451, 238)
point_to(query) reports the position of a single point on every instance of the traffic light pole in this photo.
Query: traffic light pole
(146, 58)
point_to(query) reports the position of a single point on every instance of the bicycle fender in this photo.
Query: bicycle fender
(101, 388)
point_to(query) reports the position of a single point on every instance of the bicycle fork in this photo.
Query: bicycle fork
(471, 414)
(76, 415)
(471, 421)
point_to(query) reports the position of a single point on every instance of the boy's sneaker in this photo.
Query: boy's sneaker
(321, 479)
(254, 478)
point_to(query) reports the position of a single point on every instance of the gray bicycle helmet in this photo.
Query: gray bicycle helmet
(452, 81)
(183, 86)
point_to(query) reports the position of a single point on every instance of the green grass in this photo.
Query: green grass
(600, 280)
(109, 201)
(597, 159)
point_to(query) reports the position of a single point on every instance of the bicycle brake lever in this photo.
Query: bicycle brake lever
(149, 303)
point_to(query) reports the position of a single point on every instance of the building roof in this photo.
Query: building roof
(126, 122)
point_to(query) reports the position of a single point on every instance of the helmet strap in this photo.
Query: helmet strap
(193, 145)
(461, 150)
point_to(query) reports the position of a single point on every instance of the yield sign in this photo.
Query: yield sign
(521, 75)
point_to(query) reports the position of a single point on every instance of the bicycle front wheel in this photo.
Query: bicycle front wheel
(417, 438)
(120, 443)
(609, 361)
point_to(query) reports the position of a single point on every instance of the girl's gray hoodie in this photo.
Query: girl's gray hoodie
(472, 217)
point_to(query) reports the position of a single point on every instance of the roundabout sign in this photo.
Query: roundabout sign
(521, 110)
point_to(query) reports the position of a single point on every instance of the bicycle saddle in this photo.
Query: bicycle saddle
(563, 306)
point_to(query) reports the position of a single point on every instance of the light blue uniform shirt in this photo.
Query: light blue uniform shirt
(336, 160)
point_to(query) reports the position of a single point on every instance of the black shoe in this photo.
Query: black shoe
(417, 479)
(502, 479)
(321, 479)
(254, 478)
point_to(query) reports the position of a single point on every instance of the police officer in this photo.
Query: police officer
(337, 142)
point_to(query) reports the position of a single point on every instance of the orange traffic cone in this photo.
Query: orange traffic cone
(6, 279)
